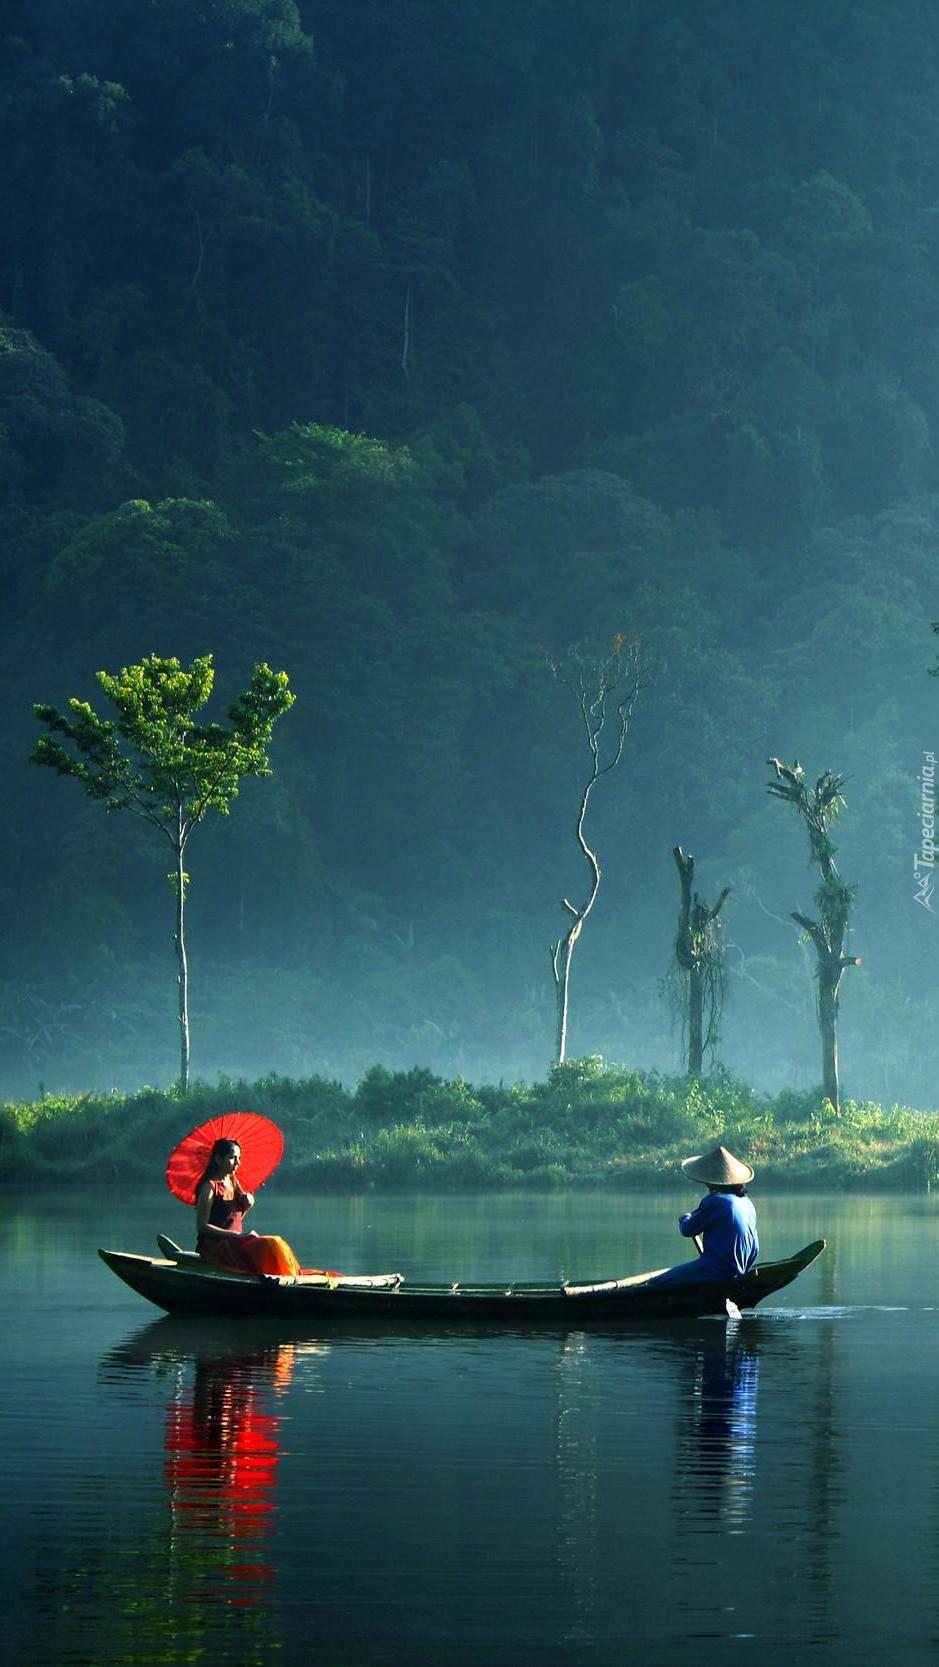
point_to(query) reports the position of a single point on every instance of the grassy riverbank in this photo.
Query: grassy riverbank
(587, 1124)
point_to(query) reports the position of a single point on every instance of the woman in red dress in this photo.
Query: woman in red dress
(221, 1206)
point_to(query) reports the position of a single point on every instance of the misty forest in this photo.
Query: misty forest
(551, 394)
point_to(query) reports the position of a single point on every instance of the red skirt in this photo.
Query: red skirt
(242, 1253)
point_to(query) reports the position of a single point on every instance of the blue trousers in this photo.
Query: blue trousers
(700, 1271)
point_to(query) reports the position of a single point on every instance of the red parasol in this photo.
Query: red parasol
(261, 1145)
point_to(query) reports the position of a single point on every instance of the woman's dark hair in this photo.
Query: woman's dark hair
(220, 1146)
(738, 1192)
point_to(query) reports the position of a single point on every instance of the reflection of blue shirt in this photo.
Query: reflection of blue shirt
(728, 1226)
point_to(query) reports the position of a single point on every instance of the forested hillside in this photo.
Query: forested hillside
(400, 343)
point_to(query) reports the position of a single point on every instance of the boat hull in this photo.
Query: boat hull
(188, 1289)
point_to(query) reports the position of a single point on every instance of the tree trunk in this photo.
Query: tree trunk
(696, 952)
(561, 961)
(695, 1020)
(828, 1027)
(560, 1039)
(829, 972)
(182, 976)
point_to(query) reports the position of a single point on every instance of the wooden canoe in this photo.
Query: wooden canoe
(183, 1284)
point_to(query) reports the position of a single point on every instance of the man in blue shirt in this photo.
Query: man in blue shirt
(724, 1222)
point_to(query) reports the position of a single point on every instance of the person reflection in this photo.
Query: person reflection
(717, 1428)
(221, 1453)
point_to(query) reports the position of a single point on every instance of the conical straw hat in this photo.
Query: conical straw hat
(718, 1169)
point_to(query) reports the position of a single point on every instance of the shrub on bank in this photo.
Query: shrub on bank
(586, 1123)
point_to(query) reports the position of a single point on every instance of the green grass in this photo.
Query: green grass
(586, 1124)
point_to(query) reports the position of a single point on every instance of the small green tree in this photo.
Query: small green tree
(154, 759)
(834, 900)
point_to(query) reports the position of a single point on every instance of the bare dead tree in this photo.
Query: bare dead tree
(834, 900)
(699, 952)
(605, 688)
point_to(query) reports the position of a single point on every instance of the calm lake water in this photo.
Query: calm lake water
(763, 1491)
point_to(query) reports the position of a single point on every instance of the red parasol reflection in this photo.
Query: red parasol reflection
(221, 1453)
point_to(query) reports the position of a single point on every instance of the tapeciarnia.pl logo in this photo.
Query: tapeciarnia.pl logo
(925, 861)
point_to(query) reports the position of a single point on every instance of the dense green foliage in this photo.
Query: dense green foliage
(585, 1124)
(398, 342)
(154, 757)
